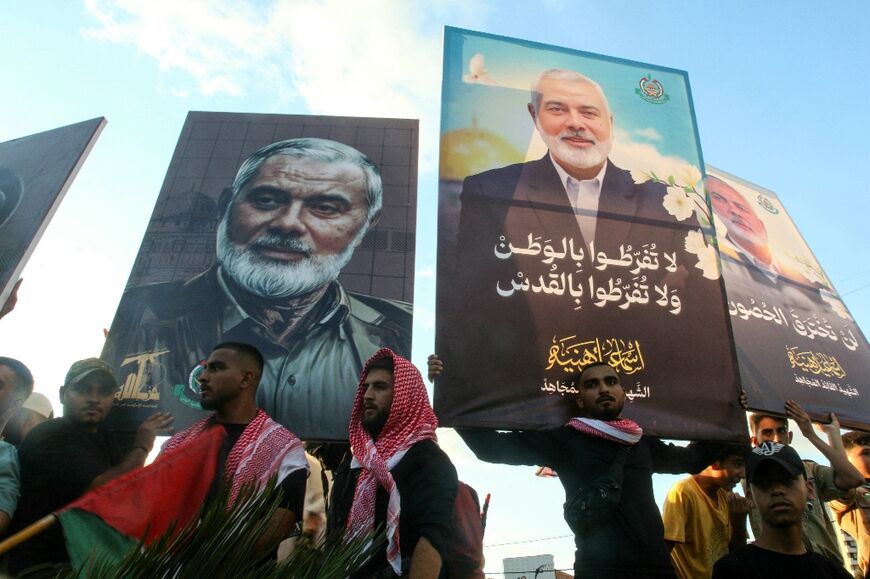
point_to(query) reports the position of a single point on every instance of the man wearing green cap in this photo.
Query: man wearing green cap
(63, 458)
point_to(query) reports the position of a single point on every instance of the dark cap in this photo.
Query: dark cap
(84, 368)
(783, 455)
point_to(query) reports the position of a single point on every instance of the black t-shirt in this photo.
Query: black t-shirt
(751, 562)
(426, 480)
(293, 485)
(632, 543)
(59, 461)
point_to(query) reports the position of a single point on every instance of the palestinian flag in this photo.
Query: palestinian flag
(142, 504)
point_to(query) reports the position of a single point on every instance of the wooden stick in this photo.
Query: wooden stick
(27, 533)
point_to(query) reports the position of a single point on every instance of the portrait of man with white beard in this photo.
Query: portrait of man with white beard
(291, 221)
(533, 284)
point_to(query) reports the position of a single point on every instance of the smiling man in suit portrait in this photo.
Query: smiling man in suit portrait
(509, 305)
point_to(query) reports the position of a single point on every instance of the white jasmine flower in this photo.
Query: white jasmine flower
(678, 204)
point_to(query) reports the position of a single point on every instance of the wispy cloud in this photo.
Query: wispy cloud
(379, 58)
(648, 133)
(427, 272)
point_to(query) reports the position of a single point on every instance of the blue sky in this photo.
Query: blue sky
(779, 90)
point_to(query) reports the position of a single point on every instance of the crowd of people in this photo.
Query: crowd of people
(394, 478)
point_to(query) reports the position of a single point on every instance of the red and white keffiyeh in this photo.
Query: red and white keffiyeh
(263, 449)
(623, 431)
(411, 420)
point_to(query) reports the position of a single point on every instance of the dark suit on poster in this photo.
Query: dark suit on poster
(496, 349)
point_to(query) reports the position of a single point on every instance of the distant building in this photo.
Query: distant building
(534, 567)
(180, 240)
(850, 552)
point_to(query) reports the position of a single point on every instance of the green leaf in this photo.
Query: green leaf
(222, 542)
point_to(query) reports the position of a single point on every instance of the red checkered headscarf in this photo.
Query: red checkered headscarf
(411, 420)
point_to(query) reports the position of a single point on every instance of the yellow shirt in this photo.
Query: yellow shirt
(700, 527)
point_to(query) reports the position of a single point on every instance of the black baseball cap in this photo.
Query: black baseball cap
(783, 455)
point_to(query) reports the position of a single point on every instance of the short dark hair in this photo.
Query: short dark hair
(243, 349)
(756, 417)
(385, 363)
(574, 379)
(24, 382)
(723, 452)
(855, 438)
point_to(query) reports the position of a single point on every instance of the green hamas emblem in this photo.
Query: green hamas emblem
(188, 394)
(651, 90)
(767, 204)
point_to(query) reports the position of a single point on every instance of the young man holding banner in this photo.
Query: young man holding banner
(830, 482)
(782, 494)
(629, 540)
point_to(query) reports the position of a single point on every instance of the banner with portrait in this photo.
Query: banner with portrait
(291, 233)
(795, 339)
(35, 173)
(573, 229)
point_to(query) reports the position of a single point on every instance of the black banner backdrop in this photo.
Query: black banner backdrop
(35, 173)
(795, 338)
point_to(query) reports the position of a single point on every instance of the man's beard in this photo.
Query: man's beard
(582, 158)
(375, 424)
(745, 237)
(611, 413)
(269, 278)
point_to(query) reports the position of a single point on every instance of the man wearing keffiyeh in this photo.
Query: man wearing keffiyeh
(396, 477)
(631, 542)
(255, 447)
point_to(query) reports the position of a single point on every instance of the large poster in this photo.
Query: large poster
(35, 173)
(292, 233)
(574, 229)
(795, 338)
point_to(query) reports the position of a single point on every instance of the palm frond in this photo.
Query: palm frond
(221, 542)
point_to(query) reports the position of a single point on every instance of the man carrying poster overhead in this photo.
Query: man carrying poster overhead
(602, 453)
(569, 259)
(296, 212)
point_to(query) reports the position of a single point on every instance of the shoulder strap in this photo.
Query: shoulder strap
(618, 462)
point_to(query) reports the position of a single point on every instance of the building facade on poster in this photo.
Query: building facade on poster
(288, 225)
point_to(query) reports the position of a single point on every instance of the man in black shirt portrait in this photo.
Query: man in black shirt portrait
(781, 491)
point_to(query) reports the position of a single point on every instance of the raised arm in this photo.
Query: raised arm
(529, 447)
(673, 459)
(846, 476)
(159, 423)
(534, 448)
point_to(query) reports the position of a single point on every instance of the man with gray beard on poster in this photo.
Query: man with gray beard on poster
(295, 213)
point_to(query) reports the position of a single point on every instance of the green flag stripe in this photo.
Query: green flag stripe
(88, 536)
